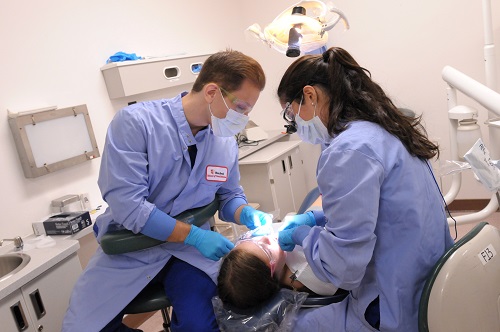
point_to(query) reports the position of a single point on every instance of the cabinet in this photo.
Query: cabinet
(133, 77)
(274, 177)
(40, 305)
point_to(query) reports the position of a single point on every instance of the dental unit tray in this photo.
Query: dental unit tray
(124, 240)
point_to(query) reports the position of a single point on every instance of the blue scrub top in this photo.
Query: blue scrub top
(385, 229)
(146, 165)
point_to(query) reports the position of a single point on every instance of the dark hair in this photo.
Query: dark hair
(353, 96)
(229, 69)
(245, 280)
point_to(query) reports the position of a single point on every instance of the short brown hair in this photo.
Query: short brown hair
(245, 280)
(229, 69)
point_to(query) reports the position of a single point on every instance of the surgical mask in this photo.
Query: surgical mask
(312, 131)
(231, 125)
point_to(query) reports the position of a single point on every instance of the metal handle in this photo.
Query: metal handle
(36, 301)
(19, 316)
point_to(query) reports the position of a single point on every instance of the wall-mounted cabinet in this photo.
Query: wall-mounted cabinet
(133, 77)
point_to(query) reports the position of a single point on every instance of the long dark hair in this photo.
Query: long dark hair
(353, 96)
(245, 281)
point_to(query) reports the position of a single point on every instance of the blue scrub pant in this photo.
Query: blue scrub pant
(190, 291)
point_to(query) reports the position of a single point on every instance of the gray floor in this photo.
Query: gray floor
(154, 324)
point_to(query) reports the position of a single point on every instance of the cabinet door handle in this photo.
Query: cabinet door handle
(290, 163)
(283, 165)
(19, 316)
(37, 302)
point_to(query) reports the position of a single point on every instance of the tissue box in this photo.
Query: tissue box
(64, 223)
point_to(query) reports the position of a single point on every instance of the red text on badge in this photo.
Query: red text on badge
(216, 173)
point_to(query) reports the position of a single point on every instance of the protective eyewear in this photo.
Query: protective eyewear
(262, 245)
(240, 106)
(289, 116)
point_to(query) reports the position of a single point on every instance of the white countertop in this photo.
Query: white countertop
(42, 259)
(271, 152)
(273, 136)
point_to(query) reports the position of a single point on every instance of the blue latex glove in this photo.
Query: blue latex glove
(285, 239)
(122, 56)
(212, 245)
(254, 218)
(288, 238)
(297, 220)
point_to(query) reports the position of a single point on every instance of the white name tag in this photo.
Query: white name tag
(216, 173)
(487, 254)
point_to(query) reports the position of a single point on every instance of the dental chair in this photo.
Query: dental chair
(310, 198)
(152, 297)
(463, 290)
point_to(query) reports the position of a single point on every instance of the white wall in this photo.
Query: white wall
(405, 45)
(52, 52)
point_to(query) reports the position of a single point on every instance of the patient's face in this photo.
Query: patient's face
(267, 249)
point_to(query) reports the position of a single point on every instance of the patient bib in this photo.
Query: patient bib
(296, 261)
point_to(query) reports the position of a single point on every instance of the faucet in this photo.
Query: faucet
(18, 242)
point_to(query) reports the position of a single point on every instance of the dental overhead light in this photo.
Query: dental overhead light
(300, 28)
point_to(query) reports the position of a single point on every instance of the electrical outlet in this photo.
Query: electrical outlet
(84, 198)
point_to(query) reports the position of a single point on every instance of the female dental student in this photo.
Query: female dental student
(383, 225)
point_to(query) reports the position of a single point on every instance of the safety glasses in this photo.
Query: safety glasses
(240, 106)
(262, 244)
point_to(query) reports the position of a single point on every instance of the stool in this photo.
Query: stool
(151, 298)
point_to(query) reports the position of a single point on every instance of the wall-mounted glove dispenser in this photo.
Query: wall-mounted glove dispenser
(139, 76)
(51, 139)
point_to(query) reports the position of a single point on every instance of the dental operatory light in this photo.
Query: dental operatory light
(301, 28)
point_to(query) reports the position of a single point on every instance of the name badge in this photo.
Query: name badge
(216, 173)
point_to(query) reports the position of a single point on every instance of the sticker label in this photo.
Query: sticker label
(216, 173)
(487, 254)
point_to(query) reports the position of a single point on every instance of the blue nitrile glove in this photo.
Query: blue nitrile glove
(299, 219)
(288, 238)
(254, 218)
(211, 244)
(122, 56)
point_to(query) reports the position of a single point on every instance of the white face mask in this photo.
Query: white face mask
(312, 131)
(231, 125)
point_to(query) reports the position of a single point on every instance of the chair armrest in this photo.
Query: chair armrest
(316, 301)
(124, 240)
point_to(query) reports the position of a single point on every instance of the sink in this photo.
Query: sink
(10, 264)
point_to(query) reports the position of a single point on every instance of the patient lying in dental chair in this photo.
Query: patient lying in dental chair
(260, 285)
(257, 268)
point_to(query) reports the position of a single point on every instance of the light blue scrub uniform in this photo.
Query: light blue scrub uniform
(146, 165)
(385, 229)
